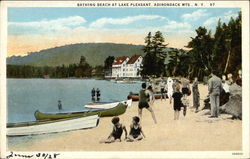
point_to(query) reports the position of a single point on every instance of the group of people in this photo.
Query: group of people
(135, 133)
(173, 86)
(95, 94)
(176, 90)
(216, 86)
(146, 100)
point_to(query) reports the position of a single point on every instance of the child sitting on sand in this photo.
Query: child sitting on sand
(136, 132)
(177, 102)
(116, 134)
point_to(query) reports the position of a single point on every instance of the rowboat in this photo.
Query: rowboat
(135, 96)
(125, 82)
(55, 126)
(118, 110)
(108, 105)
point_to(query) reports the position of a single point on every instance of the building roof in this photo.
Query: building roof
(133, 59)
(119, 60)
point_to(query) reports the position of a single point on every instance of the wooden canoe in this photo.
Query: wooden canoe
(118, 110)
(108, 105)
(55, 126)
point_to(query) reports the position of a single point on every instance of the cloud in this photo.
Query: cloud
(195, 15)
(123, 21)
(45, 25)
(23, 43)
(172, 28)
(33, 36)
(173, 25)
(211, 22)
(230, 14)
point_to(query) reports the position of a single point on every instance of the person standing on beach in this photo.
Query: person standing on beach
(162, 86)
(196, 95)
(177, 102)
(150, 92)
(214, 90)
(205, 80)
(143, 102)
(185, 86)
(170, 88)
(175, 83)
(93, 94)
(186, 92)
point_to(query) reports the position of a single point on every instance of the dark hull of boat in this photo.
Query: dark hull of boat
(118, 110)
(135, 97)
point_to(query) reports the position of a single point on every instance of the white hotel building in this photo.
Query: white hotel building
(126, 67)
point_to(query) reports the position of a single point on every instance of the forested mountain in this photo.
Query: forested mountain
(95, 54)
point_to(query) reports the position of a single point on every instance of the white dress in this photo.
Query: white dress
(170, 87)
(226, 87)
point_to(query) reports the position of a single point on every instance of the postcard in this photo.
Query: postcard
(124, 79)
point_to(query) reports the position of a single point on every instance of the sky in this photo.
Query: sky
(34, 29)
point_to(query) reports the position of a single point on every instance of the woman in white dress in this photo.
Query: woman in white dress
(170, 83)
(225, 84)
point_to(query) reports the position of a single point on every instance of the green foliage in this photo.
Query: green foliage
(201, 53)
(153, 61)
(83, 69)
(179, 63)
(108, 62)
(94, 53)
(98, 71)
(220, 52)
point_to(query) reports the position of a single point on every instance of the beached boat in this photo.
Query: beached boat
(55, 126)
(118, 110)
(125, 82)
(135, 96)
(108, 105)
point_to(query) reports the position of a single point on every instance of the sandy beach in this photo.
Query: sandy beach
(194, 132)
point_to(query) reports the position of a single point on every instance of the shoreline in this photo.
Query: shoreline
(186, 134)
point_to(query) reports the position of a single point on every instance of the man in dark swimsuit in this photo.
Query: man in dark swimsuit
(143, 102)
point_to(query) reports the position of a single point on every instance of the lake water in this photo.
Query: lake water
(25, 96)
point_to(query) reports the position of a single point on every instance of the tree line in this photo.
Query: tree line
(220, 52)
(80, 70)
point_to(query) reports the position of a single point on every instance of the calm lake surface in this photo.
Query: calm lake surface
(25, 96)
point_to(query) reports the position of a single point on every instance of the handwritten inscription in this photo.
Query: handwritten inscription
(37, 155)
